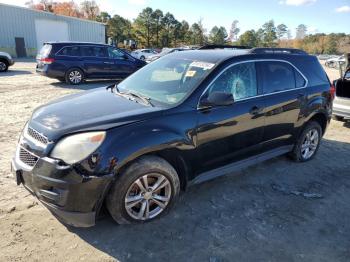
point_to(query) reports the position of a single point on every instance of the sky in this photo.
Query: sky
(320, 16)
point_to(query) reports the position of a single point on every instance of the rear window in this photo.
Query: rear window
(45, 50)
(70, 51)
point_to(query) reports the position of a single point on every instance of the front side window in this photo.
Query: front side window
(116, 54)
(167, 80)
(239, 80)
(277, 76)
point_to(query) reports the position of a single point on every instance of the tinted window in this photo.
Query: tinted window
(277, 76)
(299, 79)
(115, 53)
(70, 51)
(239, 80)
(94, 51)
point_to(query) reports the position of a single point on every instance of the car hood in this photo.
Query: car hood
(99, 109)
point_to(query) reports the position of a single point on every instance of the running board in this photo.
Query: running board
(236, 166)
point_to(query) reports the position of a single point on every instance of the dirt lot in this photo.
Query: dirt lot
(275, 211)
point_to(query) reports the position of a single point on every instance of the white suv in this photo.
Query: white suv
(143, 53)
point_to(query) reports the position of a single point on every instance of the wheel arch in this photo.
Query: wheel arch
(321, 118)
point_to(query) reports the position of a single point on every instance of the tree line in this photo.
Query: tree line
(154, 28)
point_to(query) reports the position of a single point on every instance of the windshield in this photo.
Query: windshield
(168, 80)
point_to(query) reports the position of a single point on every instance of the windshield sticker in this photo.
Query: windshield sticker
(190, 73)
(203, 65)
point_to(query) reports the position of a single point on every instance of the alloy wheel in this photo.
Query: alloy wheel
(310, 143)
(75, 77)
(148, 196)
(2, 66)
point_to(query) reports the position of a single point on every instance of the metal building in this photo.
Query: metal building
(23, 31)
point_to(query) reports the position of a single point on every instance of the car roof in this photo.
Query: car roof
(73, 43)
(210, 56)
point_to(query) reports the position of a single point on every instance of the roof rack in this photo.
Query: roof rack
(268, 50)
(208, 47)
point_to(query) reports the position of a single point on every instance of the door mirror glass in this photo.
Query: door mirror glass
(217, 99)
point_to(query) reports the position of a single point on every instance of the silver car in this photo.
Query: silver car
(341, 103)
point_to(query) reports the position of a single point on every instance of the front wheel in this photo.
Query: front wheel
(74, 76)
(144, 191)
(308, 143)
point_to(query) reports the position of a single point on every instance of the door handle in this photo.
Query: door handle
(255, 110)
(109, 63)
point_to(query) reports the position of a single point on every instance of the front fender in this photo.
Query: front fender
(128, 143)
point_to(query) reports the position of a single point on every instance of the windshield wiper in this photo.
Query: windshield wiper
(129, 94)
(145, 99)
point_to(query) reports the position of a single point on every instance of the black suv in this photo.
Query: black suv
(73, 62)
(181, 120)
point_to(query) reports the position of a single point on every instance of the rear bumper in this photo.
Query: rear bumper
(341, 110)
(48, 72)
(72, 197)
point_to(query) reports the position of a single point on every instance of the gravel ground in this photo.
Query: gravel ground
(276, 211)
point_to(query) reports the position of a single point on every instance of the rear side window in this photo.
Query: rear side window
(70, 51)
(299, 80)
(94, 51)
(277, 76)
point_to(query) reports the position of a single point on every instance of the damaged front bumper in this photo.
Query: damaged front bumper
(71, 196)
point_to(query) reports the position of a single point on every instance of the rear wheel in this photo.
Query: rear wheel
(74, 76)
(308, 143)
(3, 66)
(144, 191)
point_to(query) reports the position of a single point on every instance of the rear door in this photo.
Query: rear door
(121, 64)
(96, 61)
(284, 94)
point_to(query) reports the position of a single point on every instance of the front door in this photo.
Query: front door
(284, 92)
(227, 134)
(121, 65)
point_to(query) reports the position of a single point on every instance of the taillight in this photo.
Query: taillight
(47, 61)
(332, 91)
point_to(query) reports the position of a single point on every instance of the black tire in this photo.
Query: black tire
(70, 79)
(338, 118)
(4, 66)
(297, 154)
(147, 165)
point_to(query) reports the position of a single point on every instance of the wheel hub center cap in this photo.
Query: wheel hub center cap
(147, 195)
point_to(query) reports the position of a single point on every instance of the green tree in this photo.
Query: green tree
(118, 28)
(143, 26)
(169, 23)
(218, 35)
(269, 36)
(249, 38)
(281, 31)
(157, 17)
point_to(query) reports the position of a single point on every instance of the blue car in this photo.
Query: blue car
(74, 62)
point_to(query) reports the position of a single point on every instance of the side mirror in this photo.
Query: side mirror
(217, 99)
(125, 57)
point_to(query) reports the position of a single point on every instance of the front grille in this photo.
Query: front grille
(27, 158)
(37, 136)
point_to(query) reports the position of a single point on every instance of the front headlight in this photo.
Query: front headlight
(75, 148)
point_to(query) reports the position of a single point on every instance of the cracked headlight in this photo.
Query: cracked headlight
(75, 148)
